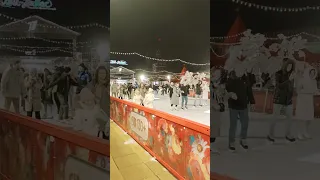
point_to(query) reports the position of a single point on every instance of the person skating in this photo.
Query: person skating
(175, 97)
(184, 95)
(306, 88)
(63, 83)
(33, 86)
(149, 98)
(102, 99)
(282, 100)
(205, 92)
(83, 78)
(12, 86)
(47, 98)
(219, 95)
(238, 107)
(198, 93)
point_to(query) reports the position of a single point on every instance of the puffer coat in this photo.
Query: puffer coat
(284, 87)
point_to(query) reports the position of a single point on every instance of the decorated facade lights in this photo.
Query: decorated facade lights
(275, 8)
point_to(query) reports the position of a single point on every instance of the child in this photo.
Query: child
(89, 118)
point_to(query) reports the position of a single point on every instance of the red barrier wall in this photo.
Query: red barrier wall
(33, 149)
(181, 145)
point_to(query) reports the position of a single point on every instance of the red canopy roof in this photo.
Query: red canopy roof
(237, 27)
(184, 70)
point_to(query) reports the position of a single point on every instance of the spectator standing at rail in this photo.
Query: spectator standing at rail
(12, 86)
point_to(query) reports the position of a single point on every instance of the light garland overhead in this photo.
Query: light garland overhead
(84, 26)
(33, 47)
(53, 49)
(157, 59)
(43, 39)
(271, 38)
(274, 8)
(155, 72)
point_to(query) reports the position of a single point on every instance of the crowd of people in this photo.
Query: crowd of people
(74, 94)
(235, 89)
(143, 94)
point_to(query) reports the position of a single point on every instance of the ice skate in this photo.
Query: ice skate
(214, 150)
(290, 139)
(270, 140)
(244, 144)
(301, 137)
(232, 147)
(307, 136)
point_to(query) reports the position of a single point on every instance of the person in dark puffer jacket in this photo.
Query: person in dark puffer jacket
(238, 107)
(198, 91)
(282, 99)
(184, 94)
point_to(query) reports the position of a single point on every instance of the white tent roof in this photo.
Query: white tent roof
(121, 71)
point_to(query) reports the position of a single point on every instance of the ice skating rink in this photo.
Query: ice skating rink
(300, 160)
(197, 114)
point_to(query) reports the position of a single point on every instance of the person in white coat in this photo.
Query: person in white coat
(12, 86)
(137, 98)
(306, 88)
(205, 92)
(175, 97)
(149, 98)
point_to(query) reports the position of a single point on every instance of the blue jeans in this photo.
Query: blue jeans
(243, 116)
(184, 101)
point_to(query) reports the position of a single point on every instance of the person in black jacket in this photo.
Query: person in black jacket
(63, 82)
(184, 94)
(171, 89)
(282, 99)
(238, 107)
(198, 92)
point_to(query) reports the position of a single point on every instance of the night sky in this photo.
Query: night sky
(182, 25)
(68, 13)
(223, 14)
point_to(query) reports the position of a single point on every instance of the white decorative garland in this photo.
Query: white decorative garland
(275, 8)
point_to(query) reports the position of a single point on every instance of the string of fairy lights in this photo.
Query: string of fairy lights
(158, 59)
(90, 25)
(81, 43)
(276, 8)
(83, 26)
(157, 72)
(271, 38)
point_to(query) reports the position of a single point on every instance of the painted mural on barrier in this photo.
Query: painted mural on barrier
(185, 150)
(32, 155)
